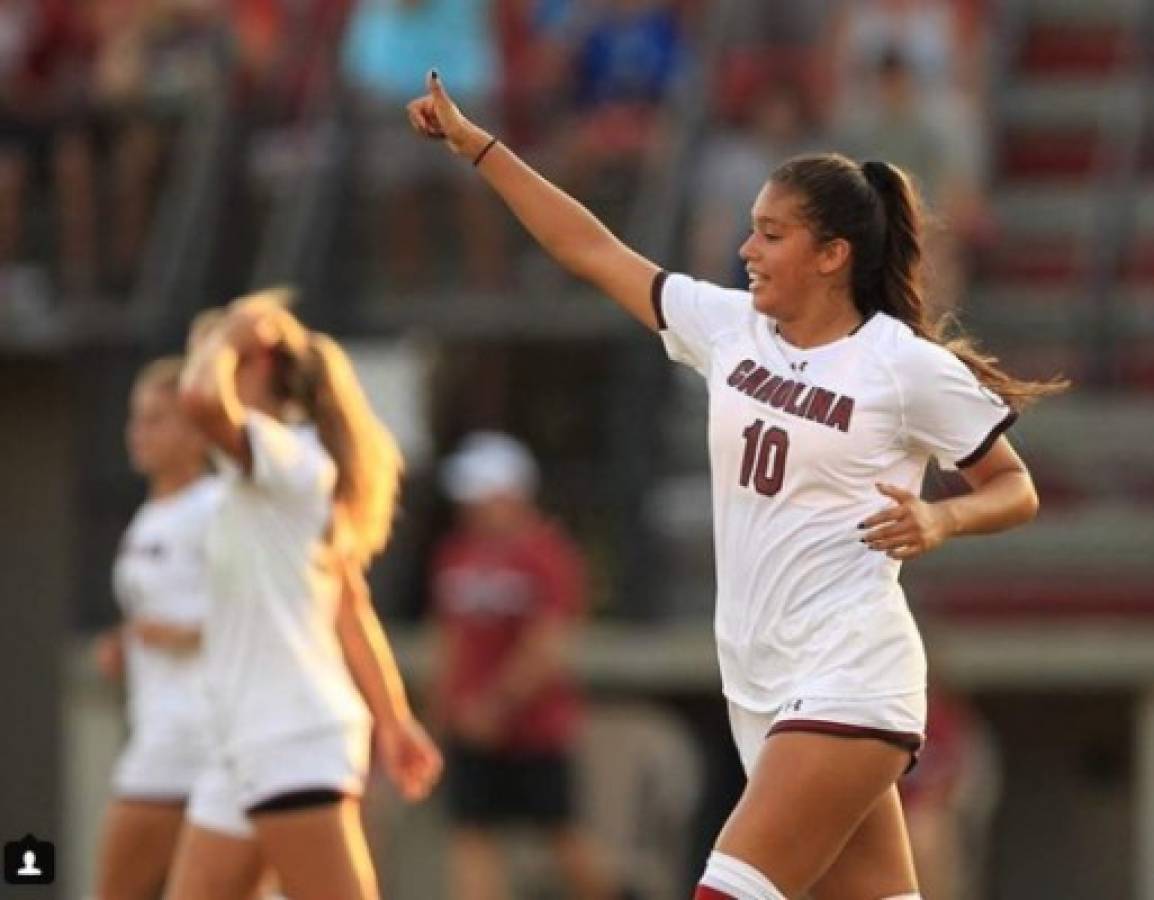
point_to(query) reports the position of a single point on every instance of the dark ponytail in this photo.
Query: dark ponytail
(876, 209)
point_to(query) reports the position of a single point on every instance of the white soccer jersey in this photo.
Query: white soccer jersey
(798, 439)
(273, 661)
(161, 573)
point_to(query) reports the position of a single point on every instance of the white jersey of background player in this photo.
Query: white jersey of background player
(160, 578)
(301, 682)
(798, 441)
(274, 664)
(160, 575)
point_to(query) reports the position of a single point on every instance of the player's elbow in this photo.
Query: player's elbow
(1028, 503)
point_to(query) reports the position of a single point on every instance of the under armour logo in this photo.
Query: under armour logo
(798, 366)
(793, 705)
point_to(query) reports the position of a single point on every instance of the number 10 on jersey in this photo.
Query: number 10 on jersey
(764, 458)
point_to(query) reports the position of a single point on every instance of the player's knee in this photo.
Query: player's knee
(728, 878)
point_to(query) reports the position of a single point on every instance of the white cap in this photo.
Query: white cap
(488, 463)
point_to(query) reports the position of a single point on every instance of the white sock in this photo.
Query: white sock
(738, 879)
(904, 897)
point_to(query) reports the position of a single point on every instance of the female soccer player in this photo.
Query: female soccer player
(309, 485)
(830, 389)
(161, 584)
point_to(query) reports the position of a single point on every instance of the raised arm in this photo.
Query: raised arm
(243, 333)
(566, 230)
(208, 392)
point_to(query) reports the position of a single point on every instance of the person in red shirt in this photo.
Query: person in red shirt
(508, 588)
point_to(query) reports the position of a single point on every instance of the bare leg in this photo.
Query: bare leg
(806, 798)
(137, 158)
(137, 850)
(477, 866)
(934, 834)
(581, 864)
(319, 853)
(876, 862)
(76, 203)
(214, 866)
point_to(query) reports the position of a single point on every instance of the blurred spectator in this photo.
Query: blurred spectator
(288, 49)
(912, 131)
(941, 38)
(626, 60)
(942, 42)
(508, 589)
(778, 42)
(47, 115)
(736, 162)
(158, 59)
(390, 47)
(87, 83)
(535, 38)
(949, 799)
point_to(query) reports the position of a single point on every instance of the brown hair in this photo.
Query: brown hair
(875, 208)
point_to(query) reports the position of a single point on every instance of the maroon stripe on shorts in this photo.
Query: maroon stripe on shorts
(655, 298)
(906, 740)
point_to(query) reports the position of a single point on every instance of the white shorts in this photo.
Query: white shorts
(160, 766)
(233, 783)
(898, 720)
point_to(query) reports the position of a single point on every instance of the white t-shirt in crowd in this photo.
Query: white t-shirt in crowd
(273, 660)
(798, 440)
(161, 573)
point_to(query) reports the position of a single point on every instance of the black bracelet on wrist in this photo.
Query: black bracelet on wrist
(480, 156)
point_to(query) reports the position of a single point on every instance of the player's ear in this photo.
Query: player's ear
(833, 255)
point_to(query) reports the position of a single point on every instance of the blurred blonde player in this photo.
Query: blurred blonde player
(830, 387)
(161, 584)
(301, 681)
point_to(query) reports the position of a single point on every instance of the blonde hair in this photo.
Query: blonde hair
(312, 371)
(368, 460)
(203, 323)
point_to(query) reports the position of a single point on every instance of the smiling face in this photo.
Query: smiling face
(787, 265)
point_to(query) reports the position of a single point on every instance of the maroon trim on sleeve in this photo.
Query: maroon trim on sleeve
(655, 298)
(983, 448)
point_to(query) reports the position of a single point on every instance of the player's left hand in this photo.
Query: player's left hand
(410, 758)
(909, 528)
